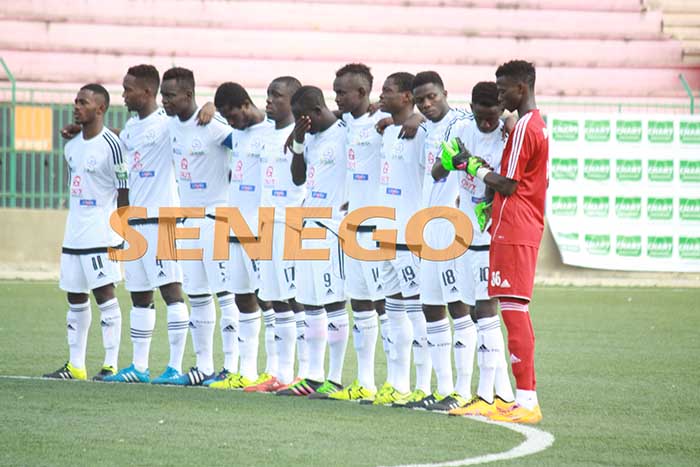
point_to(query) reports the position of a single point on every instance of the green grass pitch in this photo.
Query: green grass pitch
(617, 369)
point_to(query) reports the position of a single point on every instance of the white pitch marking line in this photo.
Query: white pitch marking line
(536, 440)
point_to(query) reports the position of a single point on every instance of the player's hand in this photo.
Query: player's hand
(206, 114)
(382, 124)
(483, 213)
(409, 129)
(302, 126)
(454, 156)
(70, 131)
(373, 108)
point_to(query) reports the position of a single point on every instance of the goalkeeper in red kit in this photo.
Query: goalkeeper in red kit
(517, 223)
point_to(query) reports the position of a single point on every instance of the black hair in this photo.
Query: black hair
(98, 89)
(231, 95)
(519, 70)
(182, 76)
(357, 69)
(427, 77)
(146, 73)
(485, 93)
(308, 97)
(403, 80)
(291, 82)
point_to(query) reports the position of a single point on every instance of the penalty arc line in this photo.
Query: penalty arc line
(536, 440)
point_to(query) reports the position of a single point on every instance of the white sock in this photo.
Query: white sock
(421, 353)
(491, 356)
(229, 331)
(178, 322)
(302, 345)
(401, 335)
(316, 339)
(270, 345)
(78, 321)
(365, 331)
(285, 334)
(338, 336)
(142, 322)
(440, 345)
(385, 328)
(248, 339)
(464, 348)
(202, 319)
(111, 322)
(527, 399)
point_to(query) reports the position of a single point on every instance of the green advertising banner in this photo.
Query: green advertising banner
(624, 191)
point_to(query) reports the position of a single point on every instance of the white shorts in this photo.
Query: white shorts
(401, 274)
(473, 271)
(205, 276)
(147, 272)
(244, 275)
(363, 278)
(81, 273)
(277, 275)
(320, 282)
(440, 281)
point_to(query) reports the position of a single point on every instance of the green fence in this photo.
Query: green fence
(39, 179)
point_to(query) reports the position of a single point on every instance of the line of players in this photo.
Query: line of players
(242, 156)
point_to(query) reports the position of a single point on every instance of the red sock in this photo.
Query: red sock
(521, 341)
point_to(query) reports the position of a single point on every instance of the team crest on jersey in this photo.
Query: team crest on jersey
(328, 157)
(150, 136)
(91, 164)
(256, 147)
(197, 149)
(397, 150)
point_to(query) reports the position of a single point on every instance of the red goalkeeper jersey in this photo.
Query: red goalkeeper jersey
(518, 219)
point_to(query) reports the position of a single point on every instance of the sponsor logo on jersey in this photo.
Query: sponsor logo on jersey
(689, 132)
(280, 193)
(689, 209)
(660, 208)
(565, 130)
(660, 170)
(660, 131)
(362, 177)
(628, 245)
(246, 187)
(597, 244)
(596, 169)
(198, 185)
(597, 130)
(628, 170)
(319, 194)
(147, 173)
(628, 207)
(689, 247)
(393, 191)
(88, 202)
(689, 171)
(659, 247)
(629, 131)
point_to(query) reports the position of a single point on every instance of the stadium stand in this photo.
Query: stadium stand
(623, 51)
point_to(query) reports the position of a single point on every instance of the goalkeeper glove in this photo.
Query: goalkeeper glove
(454, 155)
(482, 213)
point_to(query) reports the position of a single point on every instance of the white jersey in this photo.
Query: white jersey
(442, 192)
(97, 170)
(278, 189)
(363, 145)
(244, 190)
(488, 146)
(201, 155)
(401, 178)
(152, 182)
(324, 154)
